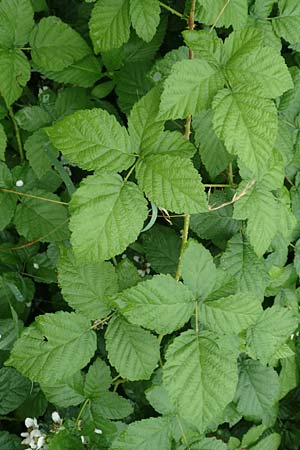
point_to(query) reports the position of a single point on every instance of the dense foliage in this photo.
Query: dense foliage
(150, 224)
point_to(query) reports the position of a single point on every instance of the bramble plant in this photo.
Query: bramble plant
(150, 224)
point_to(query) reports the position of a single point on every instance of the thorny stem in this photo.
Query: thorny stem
(171, 10)
(18, 136)
(219, 16)
(187, 134)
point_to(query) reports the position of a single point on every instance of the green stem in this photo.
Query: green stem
(185, 235)
(171, 10)
(24, 194)
(231, 185)
(230, 174)
(59, 167)
(129, 173)
(219, 16)
(18, 135)
(81, 412)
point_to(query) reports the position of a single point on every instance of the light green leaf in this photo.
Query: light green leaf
(263, 8)
(3, 141)
(289, 376)
(111, 406)
(242, 263)
(98, 371)
(134, 352)
(127, 274)
(65, 393)
(257, 392)
(83, 73)
(31, 118)
(230, 315)
(211, 149)
(14, 74)
(273, 328)
(55, 45)
(16, 22)
(86, 288)
(109, 24)
(189, 89)
(260, 67)
(116, 212)
(271, 442)
(93, 139)
(145, 434)
(247, 124)
(172, 143)
(37, 219)
(143, 126)
(234, 14)
(287, 24)
(14, 389)
(199, 272)
(161, 304)
(159, 399)
(254, 433)
(35, 151)
(69, 338)
(205, 44)
(208, 373)
(145, 17)
(172, 183)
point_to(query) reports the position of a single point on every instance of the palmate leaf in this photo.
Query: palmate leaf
(208, 373)
(257, 392)
(287, 24)
(134, 352)
(270, 332)
(86, 288)
(172, 182)
(16, 22)
(247, 123)
(161, 304)
(54, 347)
(230, 315)
(199, 272)
(145, 17)
(116, 211)
(145, 434)
(257, 66)
(93, 139)
(109, 24)
(14, 74)
(189, 89)
(55, 45)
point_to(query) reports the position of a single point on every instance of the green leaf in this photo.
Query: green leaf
(172, 143)
(145, 17)
(254, 433)
(208, 373)
(287, 24)
(172, 183)
(247, 123)
(271, 442)
(199, 272)
(110, 405)
(83, 73)
(42, 220)
(109, 24)
(51, 339)
(13, 391)
(134, 352)
(9, 331)
(272, 329)
(16, 22)
(127, 274)
(31, 118)
(93, 139)
(65, 393)
(55, 45)
(143, 126)
(189, 89)
(87, 288)
(162, 248)
(205, 44)
(14, 74)
(145, 434)
(8, 202)
(230, 315)
(242, 263)
(161, 304)
(64, 439)
(159, 399)
(211, 149)
(234, 14)
(289, 377)
(10, 441)
(260, 67)
(98, 371)
(3, 141)
(257, 392)
(116, 212)
(35, 151)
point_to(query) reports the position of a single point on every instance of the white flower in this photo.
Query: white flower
(141, 272)
(97, 431)
(33, 437)
(36, 266)
(83, 439)
(56, 417)
(31, 423)
(137, 258)
(40, 442)
(19, 183)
